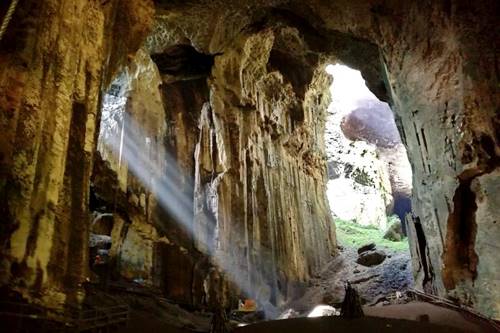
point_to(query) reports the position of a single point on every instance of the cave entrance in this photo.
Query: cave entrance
(369, 185)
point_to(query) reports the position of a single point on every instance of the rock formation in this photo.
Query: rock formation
(228, 100)
(56, 56)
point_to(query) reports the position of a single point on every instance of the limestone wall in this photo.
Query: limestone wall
(259, 170)
(54, 60)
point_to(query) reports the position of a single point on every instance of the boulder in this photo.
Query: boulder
(371, 258)
(394, 232)
(366, 247)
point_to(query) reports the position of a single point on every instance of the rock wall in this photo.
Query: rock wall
(369, 172)
(54, 62)
(359, 187)
(266, 163)
(424, 59)
(371, 125)
(444, 95)
(131, 157)
(244, 153)
(443, 92)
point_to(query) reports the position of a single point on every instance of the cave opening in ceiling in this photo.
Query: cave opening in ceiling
(369, 176)
(368, 168)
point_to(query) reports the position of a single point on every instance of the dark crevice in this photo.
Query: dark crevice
(439, 225)
(401, 128)
(293, 69)
(422, 248)
(459, 257)
(32, 237)
(424, 140)
(416, 134)
(447, 7)
(488, 146)
(184, 61)
(402, 206)
(75, 175)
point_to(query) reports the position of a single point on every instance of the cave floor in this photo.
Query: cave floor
(144, 321)
(411, 317)
(414, 316)
(375, 284)
(340, 325)
(150, 313)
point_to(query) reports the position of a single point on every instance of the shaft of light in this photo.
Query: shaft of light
(164, 185)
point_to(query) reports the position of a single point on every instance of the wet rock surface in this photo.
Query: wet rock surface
(55, 57)
(271, 146)
(444, 97)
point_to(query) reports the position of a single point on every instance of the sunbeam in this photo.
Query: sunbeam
(164, 184)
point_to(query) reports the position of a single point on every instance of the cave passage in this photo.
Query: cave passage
(190, 166)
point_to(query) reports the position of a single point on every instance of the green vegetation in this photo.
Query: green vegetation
(355, 235)
(392, 219)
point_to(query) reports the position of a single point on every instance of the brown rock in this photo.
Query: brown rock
(367, 247)
(371, 258)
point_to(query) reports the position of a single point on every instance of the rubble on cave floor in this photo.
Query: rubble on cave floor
(378, 268)
(381, 284)
(385, 290)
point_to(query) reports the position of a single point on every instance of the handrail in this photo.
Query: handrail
(82, 321)
(440, 300)
(8, 17)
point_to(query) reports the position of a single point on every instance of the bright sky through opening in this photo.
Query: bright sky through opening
(348, 87)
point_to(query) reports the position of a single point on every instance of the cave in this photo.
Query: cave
(164, 165)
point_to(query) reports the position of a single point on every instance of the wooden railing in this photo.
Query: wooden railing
(96, 318)
(20, 317)
(459, 307)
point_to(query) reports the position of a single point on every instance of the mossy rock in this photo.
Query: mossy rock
(394, 232)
